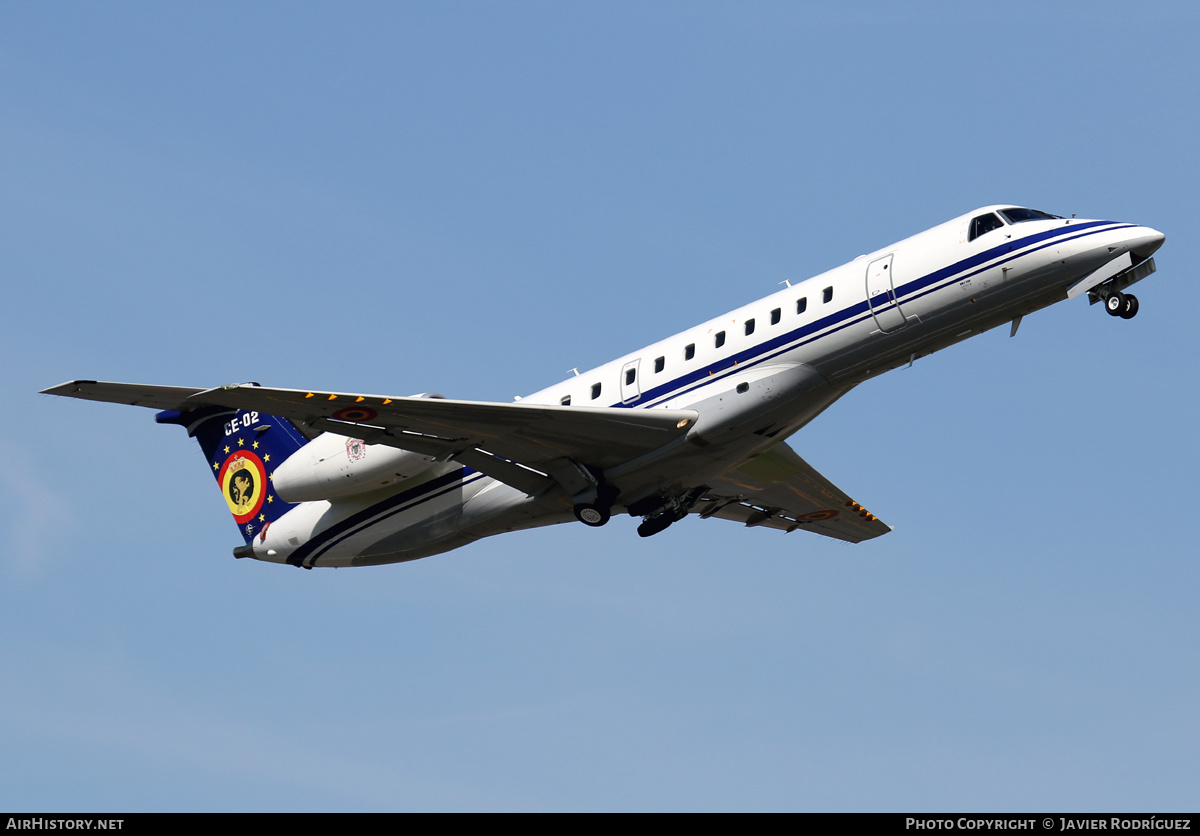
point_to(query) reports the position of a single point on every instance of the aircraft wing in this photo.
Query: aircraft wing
(508, 441)
(780, 490)
(776, 489)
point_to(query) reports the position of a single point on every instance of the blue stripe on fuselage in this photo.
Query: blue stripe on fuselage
(322, 541)
(859, 311)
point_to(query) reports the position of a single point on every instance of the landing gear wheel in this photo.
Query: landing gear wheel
(1115, 304)
(1130, 308)
(661, 521)
(653, 525)
(593, 515)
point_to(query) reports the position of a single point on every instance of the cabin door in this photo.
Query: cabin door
(881, 295)
(630, 388)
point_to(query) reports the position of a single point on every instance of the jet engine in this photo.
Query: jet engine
(335, 466)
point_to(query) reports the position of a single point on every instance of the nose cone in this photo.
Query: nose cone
(1146, 241)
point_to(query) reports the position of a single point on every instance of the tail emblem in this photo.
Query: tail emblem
(243, 480)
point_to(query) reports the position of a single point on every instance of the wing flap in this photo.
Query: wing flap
(780, 490)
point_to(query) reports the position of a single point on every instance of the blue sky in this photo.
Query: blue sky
(472, 199)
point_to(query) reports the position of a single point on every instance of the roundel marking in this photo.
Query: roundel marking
(243, 481)
(354, 413)
(817, 516)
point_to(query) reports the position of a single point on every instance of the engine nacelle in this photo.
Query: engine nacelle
(335, 466)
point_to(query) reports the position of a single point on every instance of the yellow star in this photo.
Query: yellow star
(267, 457)
(226, 448)
(261, 517)
(270, 499)
(216, 466)
(240, 442)
(256, 445)
(270, 477)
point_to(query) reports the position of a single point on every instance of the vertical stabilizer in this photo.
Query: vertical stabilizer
(243, 448)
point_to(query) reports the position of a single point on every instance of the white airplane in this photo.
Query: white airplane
(692, 424)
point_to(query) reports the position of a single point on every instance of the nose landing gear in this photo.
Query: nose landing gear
(1124, 305)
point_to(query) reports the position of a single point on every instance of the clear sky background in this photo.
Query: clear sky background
(472, 199)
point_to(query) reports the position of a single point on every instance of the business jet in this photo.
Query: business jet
(694, 424)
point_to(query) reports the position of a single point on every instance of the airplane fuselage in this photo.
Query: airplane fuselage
(754, 375)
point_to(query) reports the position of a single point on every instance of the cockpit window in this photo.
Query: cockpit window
(1017, 214)
(984, 224)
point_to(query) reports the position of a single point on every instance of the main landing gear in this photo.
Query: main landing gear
(597, 513)
(593, 514)
(657, 512)
(660, 521)
(1124, 305)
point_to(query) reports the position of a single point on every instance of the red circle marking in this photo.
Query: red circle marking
(354, 414)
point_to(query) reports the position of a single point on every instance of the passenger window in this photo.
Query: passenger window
(630, 374)
(595, 391)
(689, 351)
(749, 327)
(660, 363)
(720, 339)
(983, 225)
(801, 305)
(827, 295)
(775, 316)
(566, 401)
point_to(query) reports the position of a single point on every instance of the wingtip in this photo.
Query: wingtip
(67, 388)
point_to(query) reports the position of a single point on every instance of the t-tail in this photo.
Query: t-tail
(243, 448)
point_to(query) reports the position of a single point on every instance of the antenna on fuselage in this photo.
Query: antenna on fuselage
(786, 282)
(575, 371)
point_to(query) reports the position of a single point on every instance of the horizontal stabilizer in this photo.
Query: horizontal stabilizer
(133, 394)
